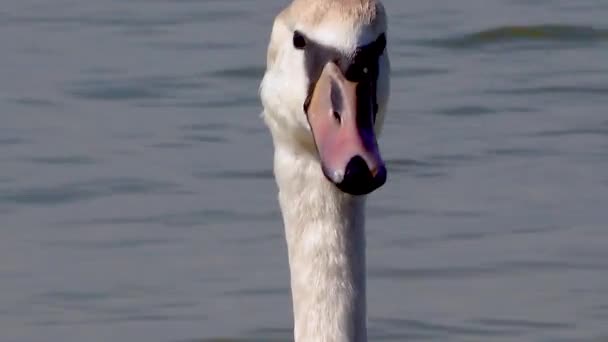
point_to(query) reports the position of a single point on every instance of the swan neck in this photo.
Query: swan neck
(326, 244)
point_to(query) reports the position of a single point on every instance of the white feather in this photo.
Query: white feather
(324, 227)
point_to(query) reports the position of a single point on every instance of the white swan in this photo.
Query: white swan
(324, 94)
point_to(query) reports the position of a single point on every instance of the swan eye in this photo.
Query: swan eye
(299, 41)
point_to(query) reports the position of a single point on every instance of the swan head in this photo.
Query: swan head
(326, 87)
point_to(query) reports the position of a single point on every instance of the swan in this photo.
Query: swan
(324, 94)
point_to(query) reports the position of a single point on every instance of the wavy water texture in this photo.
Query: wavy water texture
(548, 33)
(138, 202)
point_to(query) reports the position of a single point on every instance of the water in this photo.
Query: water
(137, 200)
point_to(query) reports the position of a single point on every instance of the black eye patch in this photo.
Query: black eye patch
(372, 50)
(359, 66)
(379, 45)
(363, 64)
(299, 41)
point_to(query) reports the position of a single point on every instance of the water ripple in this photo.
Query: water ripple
(185, 219)
(419, 168)
(554, 33)
(151, 87)
(225, 127)
(253, 72)
(11, 141)
(466, 111)
(131, 243)
(126, 20)
(196, 46)
(520, 152)
(522, 324)
(74, 192)
(504, 268)
(432, 166)
(227, 102)
(259, 292)
(34, 102)
(62, 160)
(418, 72)
(560, 90)
(429, 329)
(115, 304)
(237, 174)
(121, 318)
(215, 139)
(600, 129)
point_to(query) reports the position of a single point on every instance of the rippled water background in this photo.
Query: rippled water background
(137, 200)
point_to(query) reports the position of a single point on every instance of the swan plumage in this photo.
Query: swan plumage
(324, 93)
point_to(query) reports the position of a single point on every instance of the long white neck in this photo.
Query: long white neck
(326, 243)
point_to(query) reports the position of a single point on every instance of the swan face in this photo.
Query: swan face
(326, 87)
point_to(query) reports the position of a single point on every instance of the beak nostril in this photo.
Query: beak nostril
(337, 117)
(374, 171)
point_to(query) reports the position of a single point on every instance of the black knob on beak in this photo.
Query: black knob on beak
(359, 179)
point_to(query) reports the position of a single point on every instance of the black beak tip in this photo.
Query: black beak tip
(359, 180)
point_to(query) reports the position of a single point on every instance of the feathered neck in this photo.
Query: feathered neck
(325, 236)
